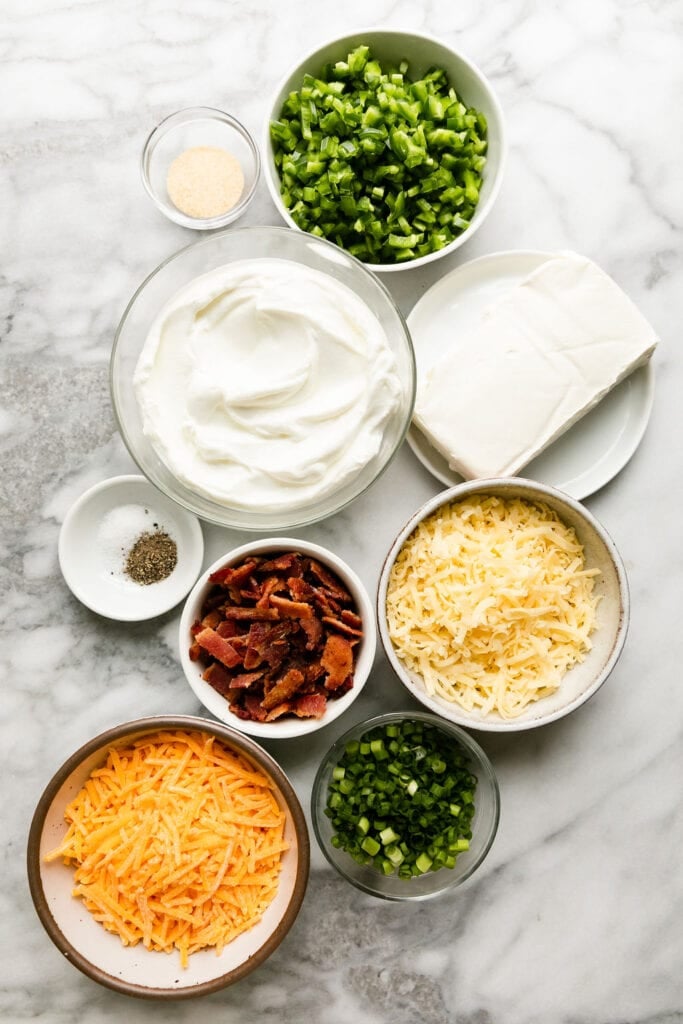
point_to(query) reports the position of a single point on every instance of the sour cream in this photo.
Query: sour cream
(266, 385)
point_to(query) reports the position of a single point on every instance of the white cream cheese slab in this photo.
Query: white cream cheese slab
(533, 363)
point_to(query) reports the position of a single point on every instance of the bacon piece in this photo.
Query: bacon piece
(243, 680)
(267, 643)
(351, 619)
(330, 620)
(290, 562)
(252, 704)
(226, 628)
(312, 705)
(300, 589)
(218, 677)
(279, 711)
(218, 647)
(196, 627)
(313, 628)
(291, 609)
(283, 689)
(270, 585)
(228, 574)
(212, 620)
(337, 660)
(231, 611)
(330, 583)
(195, 652)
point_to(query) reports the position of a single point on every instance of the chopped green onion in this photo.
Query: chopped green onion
(402, 799)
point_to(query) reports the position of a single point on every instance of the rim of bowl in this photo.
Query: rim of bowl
(480, 761)
(271, 173)
(485, 486)
(111, 484)
(215, 517)
(289, 729)
(139, 727)
(186, 114)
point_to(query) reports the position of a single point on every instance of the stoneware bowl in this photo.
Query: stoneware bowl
(289, 726)
(584, 679)
(422, 53)
(135, 970)
(432, 883)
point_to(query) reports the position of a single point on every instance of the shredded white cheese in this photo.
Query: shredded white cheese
(490, 603)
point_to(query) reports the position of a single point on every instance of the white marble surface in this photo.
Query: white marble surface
(575, 918)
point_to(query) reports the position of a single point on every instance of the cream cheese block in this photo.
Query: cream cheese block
(537, 360)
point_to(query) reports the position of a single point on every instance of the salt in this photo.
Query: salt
(118, 532)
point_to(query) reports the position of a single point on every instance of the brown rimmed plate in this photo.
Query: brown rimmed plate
(134, 970)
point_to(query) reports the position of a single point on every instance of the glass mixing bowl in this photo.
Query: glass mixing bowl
(421, 887)
(218, 250)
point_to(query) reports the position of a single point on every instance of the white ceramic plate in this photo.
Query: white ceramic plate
(91, 554)
(592, 451)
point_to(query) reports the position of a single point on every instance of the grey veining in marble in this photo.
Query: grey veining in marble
(575, 918)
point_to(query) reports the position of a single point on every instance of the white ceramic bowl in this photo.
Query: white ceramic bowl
(422, 52)
(281, 728)
(135, 970)
(91, 558)
(608, 639)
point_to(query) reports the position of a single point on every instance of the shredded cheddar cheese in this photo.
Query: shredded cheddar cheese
(176, 841)
(490, 602)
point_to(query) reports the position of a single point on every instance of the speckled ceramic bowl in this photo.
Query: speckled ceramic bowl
(608, 638)
(134, 970)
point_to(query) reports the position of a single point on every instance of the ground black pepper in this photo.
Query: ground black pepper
(152, 558)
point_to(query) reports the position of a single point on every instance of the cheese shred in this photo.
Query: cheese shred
(490, 602)
(176, 841)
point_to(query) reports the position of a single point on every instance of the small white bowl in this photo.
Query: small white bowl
(91, 557)
(422, 53)
(135, 970)
(185, 129)
(281, 728)
(608, 639)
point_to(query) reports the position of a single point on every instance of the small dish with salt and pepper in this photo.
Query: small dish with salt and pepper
(127, 552)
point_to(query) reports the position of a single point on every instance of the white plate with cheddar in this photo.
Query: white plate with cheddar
(496, 339)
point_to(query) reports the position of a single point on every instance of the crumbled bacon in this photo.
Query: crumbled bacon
(219, 648)
(233, 573)
(283, 689)
(218, 677)
(311, 706)
(291, 609)
(337, 660)
(277, 637)
(330, 620)
(330, 583)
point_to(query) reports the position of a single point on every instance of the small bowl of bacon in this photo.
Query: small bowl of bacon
(168, 857)
(503, 605)
(278, 638)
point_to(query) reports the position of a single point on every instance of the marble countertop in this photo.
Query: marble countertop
(575, 917)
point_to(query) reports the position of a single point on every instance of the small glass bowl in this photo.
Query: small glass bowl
(420, 887)
(198, 126)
